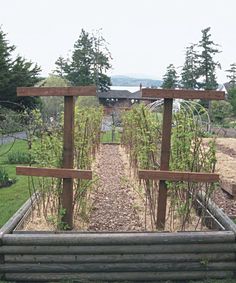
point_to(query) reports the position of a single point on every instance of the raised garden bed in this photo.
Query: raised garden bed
(150, 256)
(29, 256)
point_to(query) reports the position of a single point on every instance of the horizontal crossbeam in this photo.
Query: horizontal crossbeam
(54, 172)
(57, 91)
(178, 176)
(183, 93)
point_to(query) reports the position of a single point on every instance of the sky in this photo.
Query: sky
(144, 36)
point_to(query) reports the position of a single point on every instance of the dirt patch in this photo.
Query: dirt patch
(226, 167)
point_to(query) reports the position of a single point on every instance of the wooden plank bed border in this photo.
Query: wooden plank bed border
(154, 238)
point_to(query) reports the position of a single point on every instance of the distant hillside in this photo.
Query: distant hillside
(128, 81)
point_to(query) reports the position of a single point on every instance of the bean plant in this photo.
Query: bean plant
(141, 138)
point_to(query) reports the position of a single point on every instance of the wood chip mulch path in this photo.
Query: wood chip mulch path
(114, 201)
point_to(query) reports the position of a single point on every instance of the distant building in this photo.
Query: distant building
(118, 99)
(121, 99)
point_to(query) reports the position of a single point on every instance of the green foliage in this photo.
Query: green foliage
(15, 72)
(10, 121)
(47, 149)
(19, 157)
(47, 152)
(188, 153)
(199, 70)
(220, 110)
(89, 62)
(4, 177)
(142, 140)
(232, 75)
(141, 136)
(232, 100)
(108, 136)
(86, 101)
(189, 72)
(207, 64)
(13, 197)
(52, 106)
(170, 78)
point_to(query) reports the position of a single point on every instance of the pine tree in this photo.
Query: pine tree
(61, 65)
(89, 62)
(5, 61)
(189, 74)
(232, 75)
(207, 64)
(170, 78)
(15, 72)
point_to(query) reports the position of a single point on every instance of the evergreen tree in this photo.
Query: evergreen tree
(232, 75)
(15, 73)
(61, 65)
(207, 64)
(170, 78)
(89, 62)
(189, 74)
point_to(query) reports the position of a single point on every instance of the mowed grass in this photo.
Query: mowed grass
(106, 137)
(11, 198)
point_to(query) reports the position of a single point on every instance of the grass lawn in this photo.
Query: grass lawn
(107, 136)
(11, 198)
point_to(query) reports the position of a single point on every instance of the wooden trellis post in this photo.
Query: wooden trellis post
(67, 173)
(164, 174)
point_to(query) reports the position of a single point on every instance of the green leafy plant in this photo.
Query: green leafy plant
(189, 152)
(19, 157)
(5, 181)
(47, 152)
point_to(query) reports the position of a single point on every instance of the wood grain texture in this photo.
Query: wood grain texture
(152, 258)
(183, 93)
(164, 164)
(117, 267)
(119, 249)
(68, 160)
(178, 176)
(119, 238)
(121, 276)
(57, 91)
(54, 172)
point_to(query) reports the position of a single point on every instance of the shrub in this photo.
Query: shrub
(5, 181)
(19, 157)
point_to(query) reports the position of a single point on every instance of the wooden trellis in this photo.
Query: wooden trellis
(67, 173)
(164, 174)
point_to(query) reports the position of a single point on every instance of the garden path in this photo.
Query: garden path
(115, 203)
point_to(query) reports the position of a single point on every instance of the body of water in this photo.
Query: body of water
(129, 88)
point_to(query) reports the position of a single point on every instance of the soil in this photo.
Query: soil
(226, 167)
(115, 203)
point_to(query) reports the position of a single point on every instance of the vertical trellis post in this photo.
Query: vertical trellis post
(68, 159)
(67, 173)
(165, 159)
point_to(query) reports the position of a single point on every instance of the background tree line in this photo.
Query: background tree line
(199, 72)
(89, 62)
